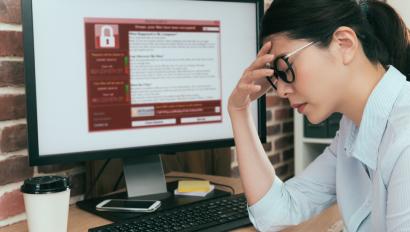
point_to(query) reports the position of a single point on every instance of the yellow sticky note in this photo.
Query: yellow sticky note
(186, 186)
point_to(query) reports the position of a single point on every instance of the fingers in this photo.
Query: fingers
(254, 75)
(262, 59)
(261, 62)
(250, 83)
(265, 49)
(265, 86)
(248, 88)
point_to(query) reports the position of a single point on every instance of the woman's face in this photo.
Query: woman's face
(319, 83)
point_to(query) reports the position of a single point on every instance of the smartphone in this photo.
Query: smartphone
(125, 205)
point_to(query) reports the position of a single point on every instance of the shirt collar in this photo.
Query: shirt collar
(375, 116)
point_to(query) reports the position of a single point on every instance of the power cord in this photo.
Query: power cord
(117, 183)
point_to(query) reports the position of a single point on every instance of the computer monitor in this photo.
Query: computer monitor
(132, 79)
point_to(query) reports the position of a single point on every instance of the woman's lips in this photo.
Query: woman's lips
(299, 107)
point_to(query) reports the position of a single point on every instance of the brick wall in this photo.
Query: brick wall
(14, 166)
(279, 145)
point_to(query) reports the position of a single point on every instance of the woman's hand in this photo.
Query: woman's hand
(252, 84)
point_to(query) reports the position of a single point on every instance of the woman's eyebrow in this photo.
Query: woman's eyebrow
(279, 55)
(282, 55)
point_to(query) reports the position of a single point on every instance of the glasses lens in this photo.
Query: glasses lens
(283, 70)
(281, 75)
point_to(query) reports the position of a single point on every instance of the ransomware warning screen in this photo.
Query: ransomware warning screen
(152, 73)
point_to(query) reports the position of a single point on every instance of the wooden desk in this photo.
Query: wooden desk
(80, 220)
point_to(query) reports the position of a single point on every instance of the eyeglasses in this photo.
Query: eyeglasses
(283, 68)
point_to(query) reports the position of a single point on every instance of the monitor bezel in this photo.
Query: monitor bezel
(31, 106)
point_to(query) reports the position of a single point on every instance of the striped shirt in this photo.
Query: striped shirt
(365, 169)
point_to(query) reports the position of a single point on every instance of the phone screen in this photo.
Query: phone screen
(129, 204)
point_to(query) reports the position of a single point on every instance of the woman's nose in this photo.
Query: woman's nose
(283, 89)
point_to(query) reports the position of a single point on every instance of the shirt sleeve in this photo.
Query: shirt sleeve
(398, 198)
(296, 200)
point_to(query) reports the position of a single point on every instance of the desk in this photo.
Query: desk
(80, 220)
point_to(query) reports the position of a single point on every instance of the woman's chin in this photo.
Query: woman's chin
(314, 119)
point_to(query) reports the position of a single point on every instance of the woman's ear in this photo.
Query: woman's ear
(345, 43)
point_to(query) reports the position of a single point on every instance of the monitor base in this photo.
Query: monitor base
(168, 200)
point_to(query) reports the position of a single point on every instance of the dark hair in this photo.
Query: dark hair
(382, 32)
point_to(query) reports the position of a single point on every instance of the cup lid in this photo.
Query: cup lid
(45, 184)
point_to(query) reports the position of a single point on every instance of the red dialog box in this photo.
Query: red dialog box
(124, 64)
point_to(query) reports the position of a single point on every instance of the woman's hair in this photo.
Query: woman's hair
(381, 31)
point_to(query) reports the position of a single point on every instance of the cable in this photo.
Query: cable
(197, 178)
(96, 179)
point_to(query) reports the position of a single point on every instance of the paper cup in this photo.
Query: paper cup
(46, 199)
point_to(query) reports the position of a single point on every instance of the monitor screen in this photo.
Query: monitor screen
(146, 76)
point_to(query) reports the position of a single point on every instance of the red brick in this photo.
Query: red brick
(12, 107)
(14, 169)
(10, 11)
(268, 115)
(288, 154)
(11, 73)
(282, 114)
(272, 101)
(11, 204)
(77, 184)
(283, 142)
(275, 158)
(14, 138)
(267, 146)
(285, 102)
(273, 130)
(11, 43)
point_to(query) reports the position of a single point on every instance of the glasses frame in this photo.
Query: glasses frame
(279, 74)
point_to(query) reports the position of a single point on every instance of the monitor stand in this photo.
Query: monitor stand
(145, 180)
(144, 175)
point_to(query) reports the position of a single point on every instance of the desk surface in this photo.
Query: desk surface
(80, 220)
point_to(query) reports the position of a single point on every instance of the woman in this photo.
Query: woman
(329, 56)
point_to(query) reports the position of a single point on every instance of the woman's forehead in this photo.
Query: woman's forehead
(280, 43)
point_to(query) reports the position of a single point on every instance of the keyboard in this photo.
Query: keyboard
(220, 214)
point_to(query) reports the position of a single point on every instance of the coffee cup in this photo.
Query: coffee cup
(46, 199)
